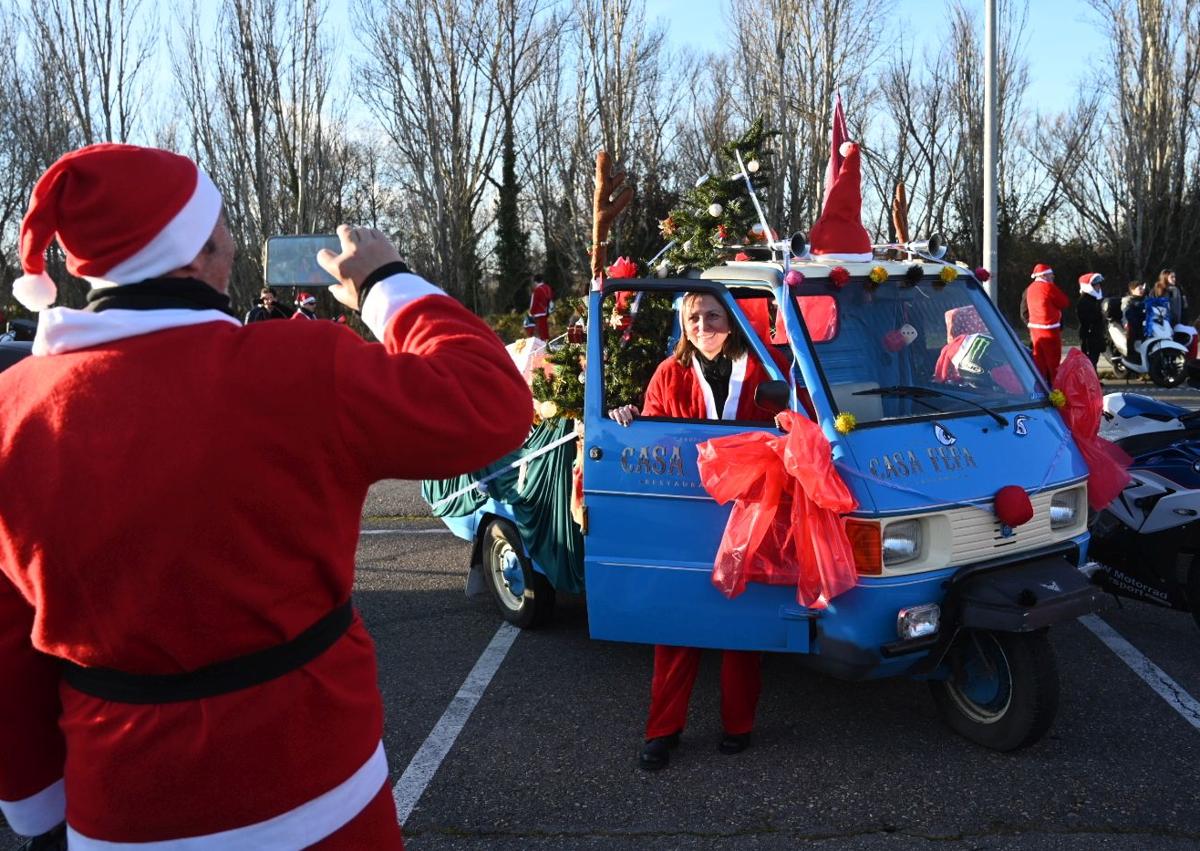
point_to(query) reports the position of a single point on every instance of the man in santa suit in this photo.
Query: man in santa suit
(174, 674)
(541, 302)
(1045, 303)
(710, 375)
(306, 306)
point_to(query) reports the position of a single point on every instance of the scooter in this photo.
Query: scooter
(1161, 353)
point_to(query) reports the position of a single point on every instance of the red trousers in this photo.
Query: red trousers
(375, 827)
(1047, 351)
(542, 324)
(675, 670)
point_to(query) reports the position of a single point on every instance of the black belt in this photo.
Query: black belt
(212, 680)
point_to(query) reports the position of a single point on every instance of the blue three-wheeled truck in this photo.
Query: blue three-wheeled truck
(947, 409)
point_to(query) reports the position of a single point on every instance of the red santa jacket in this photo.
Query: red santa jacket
(155, 486)
(681, 391)
(539, 301)
(1046, 303)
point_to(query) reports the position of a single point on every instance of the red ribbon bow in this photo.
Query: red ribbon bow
(785, 526)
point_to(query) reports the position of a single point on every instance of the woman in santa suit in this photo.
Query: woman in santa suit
(710, 375)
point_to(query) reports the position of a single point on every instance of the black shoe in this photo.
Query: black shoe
(51, 840)
(732, 743)
(656, 753)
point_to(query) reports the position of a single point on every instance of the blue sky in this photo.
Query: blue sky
(1062, 38)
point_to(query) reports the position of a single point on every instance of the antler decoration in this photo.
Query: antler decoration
(612, 196)
(900, 213)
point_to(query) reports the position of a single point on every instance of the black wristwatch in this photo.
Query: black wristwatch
(396, 267)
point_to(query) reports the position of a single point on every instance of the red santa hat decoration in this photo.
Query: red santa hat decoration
(839, 233)
(306, 299)
(121, 213)
(1041, 270)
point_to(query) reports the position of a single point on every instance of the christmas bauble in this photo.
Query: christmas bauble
(756, 229)
(715, 209)
(687, 246)
(752, 166)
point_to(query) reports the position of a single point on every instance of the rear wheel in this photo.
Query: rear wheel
(1002, 691)
(524, 597)
(1168, 368)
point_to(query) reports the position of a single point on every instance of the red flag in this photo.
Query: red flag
(837, 135)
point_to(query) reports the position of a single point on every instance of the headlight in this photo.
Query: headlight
(901, 542)
(918, 621)
(1064, 509)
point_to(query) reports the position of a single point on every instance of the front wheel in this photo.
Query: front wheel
(1002, 691)
(524, 597)
(1168, 367)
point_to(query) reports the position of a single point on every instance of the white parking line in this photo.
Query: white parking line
(433, 750)
(440, 531)
(1155, 677)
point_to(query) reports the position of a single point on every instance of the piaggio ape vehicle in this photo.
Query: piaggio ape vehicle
(948, 409)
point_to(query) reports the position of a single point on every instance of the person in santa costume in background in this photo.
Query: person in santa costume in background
(1091, 317)
(306, 306)
(541, 302)
(1045, 303)
(176, 675)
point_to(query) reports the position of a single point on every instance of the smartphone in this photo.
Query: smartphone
(291, 261)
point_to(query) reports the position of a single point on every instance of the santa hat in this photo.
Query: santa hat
(1090, 280)
(839, 233)
(306, 299)
(1041, 269)
(121, 213)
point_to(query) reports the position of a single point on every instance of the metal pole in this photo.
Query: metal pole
(990, 259)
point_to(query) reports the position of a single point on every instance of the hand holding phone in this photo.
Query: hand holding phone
(362, 251)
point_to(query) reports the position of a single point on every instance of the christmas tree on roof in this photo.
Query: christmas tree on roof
(717, 219)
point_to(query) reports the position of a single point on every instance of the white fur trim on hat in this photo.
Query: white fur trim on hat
(35, 292)
(845, 258)
(177, 244)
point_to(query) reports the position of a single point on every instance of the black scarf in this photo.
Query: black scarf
(159, 294)
(717, 373)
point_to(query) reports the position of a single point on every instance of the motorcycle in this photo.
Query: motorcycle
(1161, 352)
(1146, 544)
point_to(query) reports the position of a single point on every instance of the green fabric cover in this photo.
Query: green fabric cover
(542, 508)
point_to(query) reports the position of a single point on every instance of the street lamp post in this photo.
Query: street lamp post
(989, 148)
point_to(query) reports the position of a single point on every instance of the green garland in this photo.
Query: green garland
(564, 386)
(631, 356)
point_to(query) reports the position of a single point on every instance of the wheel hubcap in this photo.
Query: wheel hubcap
(982, 688)
(508, 575)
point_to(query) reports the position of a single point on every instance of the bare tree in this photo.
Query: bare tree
(792, 56)
(428, 83)
(100, 48)
(257, 94)
(1135, 178)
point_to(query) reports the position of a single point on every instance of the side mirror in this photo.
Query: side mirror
(773, 396)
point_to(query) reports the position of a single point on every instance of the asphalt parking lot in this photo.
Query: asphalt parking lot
(542, 753)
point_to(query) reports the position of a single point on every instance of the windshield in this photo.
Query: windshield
(914, 351)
